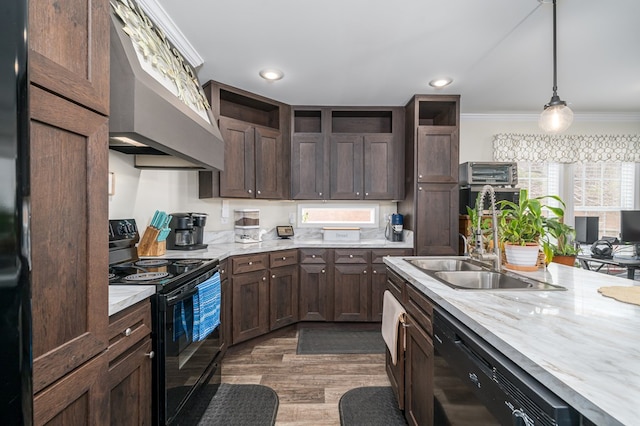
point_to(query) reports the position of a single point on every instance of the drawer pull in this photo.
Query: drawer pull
(150, 354)
(250, 263)
(128, 332)
(350, 256)
(284, 258)
(313, 256)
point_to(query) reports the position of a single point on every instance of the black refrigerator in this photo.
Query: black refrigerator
(16, 401)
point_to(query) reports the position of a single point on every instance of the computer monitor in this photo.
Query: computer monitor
(587, 231)
(630, 229)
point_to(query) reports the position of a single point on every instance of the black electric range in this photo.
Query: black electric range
(182, 364)
(166, 274)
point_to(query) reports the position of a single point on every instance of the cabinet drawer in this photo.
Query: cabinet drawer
(377, 255)
(283, 258)
(420, 308)
(128, 327)
(396, 286)
(351, 256)
(250, 263)
(314, 255)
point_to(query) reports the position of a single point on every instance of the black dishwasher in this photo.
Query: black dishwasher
(509, 393)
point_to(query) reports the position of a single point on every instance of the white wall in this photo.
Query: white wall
(138, 193)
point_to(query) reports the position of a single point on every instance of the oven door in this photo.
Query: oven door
(182, 364)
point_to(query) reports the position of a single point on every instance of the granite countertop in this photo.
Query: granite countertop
(123, 296)
(581, 345)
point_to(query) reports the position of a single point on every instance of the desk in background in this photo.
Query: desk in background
(631, 263)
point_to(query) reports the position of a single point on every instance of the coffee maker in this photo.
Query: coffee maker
(187, 231)
(393, 232)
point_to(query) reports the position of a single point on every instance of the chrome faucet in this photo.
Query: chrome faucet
(479, 251)
(466, 244)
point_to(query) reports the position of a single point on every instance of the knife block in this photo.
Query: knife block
(149, 245)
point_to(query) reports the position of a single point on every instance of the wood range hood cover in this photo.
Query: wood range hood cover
(149, 120)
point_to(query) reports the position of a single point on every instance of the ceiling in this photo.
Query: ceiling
(378, 52)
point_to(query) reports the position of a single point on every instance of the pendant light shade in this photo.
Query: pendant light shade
(556, 116)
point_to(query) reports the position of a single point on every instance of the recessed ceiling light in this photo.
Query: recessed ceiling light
(440, 82)
(271, 74)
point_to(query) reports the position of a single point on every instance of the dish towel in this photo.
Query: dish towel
(206, 308)
(392, 311)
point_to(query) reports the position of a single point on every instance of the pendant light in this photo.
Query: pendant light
(556, 116)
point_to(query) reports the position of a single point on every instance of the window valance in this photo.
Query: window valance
(566, 148)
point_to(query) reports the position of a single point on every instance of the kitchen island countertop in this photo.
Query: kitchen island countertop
(581, 345)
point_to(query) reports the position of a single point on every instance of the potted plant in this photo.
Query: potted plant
(558, 244)
(522, 227)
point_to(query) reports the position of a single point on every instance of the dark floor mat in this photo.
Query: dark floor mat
(316, 341)
(371, 406)
(229, 405)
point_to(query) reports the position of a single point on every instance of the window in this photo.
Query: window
(318, 215)
(595, 189)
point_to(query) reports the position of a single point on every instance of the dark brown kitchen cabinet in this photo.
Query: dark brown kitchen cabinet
(257, 148)
(130, 362)
(250, 296)
(225, 306)
(316, 285)
(430, 204)
(366, 154)
(418, 408)
(379, 278)
(69, 50)
(309, 155)
(283, 288)
(352, 286)
(412, 376)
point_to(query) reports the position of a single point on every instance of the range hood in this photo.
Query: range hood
(147, 118)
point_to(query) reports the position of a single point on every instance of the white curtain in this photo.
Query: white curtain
(566, 148)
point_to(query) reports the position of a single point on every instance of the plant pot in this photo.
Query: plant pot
(564, 260)
(519, 255)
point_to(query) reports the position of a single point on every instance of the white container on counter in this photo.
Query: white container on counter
(247, 217)
(247, 234)
(341, 234)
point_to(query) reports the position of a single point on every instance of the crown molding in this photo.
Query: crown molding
(584, 117)
(160, 18)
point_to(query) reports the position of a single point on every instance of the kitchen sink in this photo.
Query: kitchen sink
(445, 264)
(463, 273)
(491, 280)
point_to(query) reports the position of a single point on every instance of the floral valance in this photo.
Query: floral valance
(566, 148)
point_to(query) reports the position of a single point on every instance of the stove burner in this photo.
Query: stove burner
(152, 262)
(188, 262)
(112, 276)
(147, 276)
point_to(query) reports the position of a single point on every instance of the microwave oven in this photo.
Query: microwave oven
(469, 194)
(484, 173)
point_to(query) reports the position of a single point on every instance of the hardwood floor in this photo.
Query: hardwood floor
(309, 387)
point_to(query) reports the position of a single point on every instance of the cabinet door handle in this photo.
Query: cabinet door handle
(419, 188)
(265, 278)
(150, 354)
(250, 191)
(320, 194)
(357, 193)
(222, 271)
(273, 276)
(128, 332)
(365, 272)
(375, 272)
(323, 271)
(419, 176)
(258, 192)
(366, 194)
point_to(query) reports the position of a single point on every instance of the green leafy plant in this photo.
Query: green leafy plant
(525, 222)
(559, 239)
